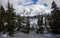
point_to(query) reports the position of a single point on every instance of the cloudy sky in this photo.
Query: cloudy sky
(29, 3)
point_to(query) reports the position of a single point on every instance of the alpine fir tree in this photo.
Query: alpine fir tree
(28, 25)
(40, 23)
(2, 18)
(11, 19)
(55, 24)
(19, 21)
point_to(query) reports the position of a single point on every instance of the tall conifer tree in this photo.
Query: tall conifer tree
(55, 24)
(2, 18)
(40, 23)
(28, 25)
(11, 19)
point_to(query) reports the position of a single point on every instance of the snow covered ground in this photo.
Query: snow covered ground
(33, 35)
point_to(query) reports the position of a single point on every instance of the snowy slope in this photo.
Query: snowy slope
(33, 35)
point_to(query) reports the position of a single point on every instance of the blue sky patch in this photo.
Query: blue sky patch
(34, 1)
(45, 4)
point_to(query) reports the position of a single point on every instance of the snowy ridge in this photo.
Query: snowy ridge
(33, 10)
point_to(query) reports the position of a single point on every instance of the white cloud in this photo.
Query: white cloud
(49, 2)
(5, 2)
(25, 2)
(41, 1)
(16, 2)
(19, 5)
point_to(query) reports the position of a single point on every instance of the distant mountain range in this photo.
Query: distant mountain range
(33, 10)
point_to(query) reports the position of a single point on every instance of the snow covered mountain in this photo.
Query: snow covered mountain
(31, 7)
(32, 10)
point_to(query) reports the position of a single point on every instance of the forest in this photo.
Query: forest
(10, 22)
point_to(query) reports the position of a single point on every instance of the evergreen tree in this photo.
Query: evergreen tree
(19, 21)
(55, 24)
(28, 25)
(11, 15)
(40, 23)
(47, 20)
(32, 28)
(2, 18)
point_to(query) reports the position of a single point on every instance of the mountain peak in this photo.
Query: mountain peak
(32, 10)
